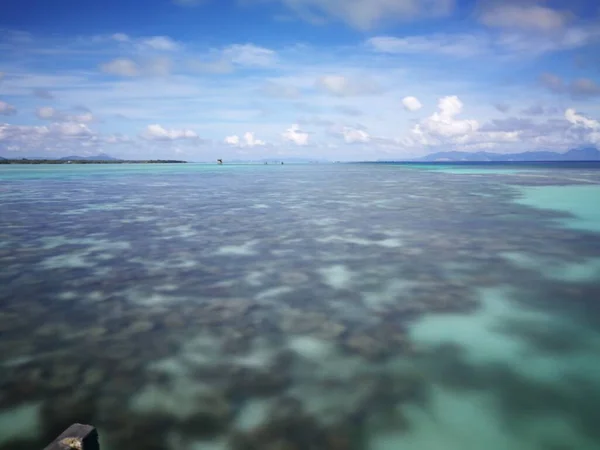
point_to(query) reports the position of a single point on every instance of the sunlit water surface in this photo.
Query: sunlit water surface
(376, 307)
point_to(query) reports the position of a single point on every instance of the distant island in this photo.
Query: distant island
(96, 159)
(576, 154)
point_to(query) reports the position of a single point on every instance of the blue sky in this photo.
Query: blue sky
(334, 79)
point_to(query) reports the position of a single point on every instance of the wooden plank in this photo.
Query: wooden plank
(76, 437)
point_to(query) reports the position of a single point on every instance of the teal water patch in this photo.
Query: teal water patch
(576, 272)
(582, 202)
(491, 338)
(475, 171)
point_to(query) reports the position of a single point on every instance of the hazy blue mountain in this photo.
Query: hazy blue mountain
(576, 154)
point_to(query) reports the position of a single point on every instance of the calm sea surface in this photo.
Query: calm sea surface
(301, 307)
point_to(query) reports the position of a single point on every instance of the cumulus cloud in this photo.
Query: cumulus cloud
(583, 127)
(232, 140)
(248, 140)
(250, 55)
(445, 130)
(122, 67)
(7, 109)
(156, 132)
(55, 139)
(296, 135)
(444, 122)
(342, 86)
(580, 120)
(366, 14)
(411, 103)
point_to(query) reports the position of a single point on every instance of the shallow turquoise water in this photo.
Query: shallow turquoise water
(580, 202)
(309, 306)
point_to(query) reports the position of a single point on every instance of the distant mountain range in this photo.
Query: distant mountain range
(576, 154)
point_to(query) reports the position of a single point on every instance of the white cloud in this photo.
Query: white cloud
(46, 113)
(444, 124)
(64, 138)
(6, 109)
(250, 55)
(580, 120)
(411, 103)
(161, 43)
(122, 67)
(50, 113)
(152, 66)
(342, 86)
(296, 135)
(156, 132)
(70, 129)
(353, 135)
(366, 14)
(523, 16)
(232, 140)
(458, 45)
(248, 140)
(501, 43)
(116, 139)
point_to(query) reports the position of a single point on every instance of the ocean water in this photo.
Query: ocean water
(322, 306)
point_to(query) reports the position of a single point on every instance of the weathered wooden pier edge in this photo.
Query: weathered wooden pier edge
(78, 437)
